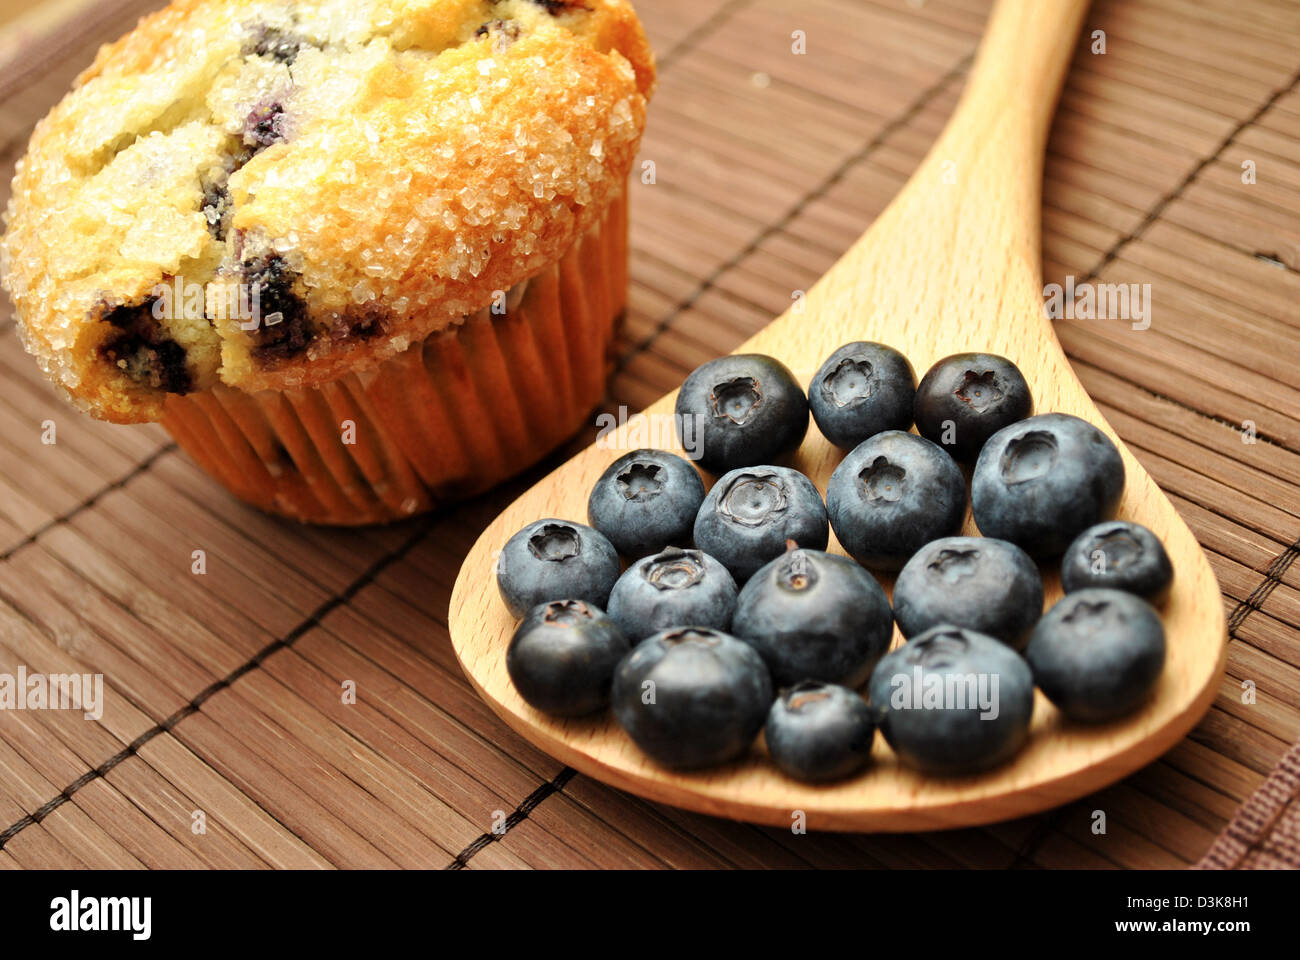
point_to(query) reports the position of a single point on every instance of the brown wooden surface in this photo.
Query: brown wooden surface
(224, 690)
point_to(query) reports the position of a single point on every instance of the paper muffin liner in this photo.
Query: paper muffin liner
(452, 415)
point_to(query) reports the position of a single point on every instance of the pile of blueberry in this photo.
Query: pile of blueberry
(730, 617)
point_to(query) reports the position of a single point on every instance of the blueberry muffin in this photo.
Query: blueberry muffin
(360, 258)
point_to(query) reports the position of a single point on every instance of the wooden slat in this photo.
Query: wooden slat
(769, 164)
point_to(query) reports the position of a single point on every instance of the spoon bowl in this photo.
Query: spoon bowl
(951, 266)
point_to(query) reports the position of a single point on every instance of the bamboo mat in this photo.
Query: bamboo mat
(223, 689)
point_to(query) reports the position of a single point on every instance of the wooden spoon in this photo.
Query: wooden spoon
(951, 266)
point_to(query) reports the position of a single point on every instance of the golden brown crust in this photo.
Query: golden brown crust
(374, 171)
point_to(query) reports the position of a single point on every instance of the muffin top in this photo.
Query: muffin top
(273, 194)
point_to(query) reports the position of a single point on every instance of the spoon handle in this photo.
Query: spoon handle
(958, 251)
(1021, 66)
(991, 152)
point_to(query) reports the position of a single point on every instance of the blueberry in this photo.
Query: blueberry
(819, 731)
(691, 697)
(674, 588)
(892, 495)
(862, 389)
(745, 409)
(1097, 653)
(1119, 555)
(139, 347)
(966, 398)
(562, 657)
(986, 585)
(1041, 482)
(264, 125)
(815, 616)
(275, 43)
(750, 513)
(953, 701)
(645, 501)
(556, 560)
